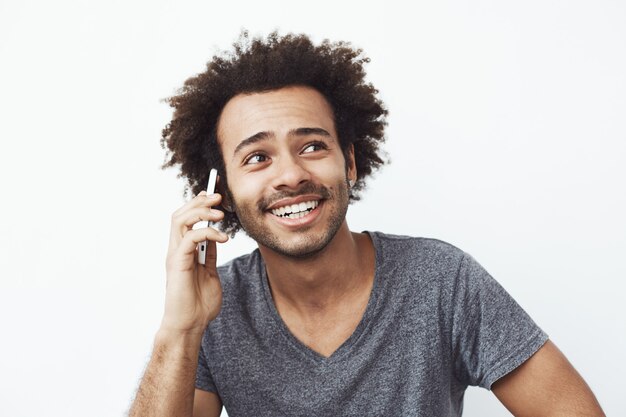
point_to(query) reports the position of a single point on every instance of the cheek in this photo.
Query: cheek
(247, 190)
(331, 170)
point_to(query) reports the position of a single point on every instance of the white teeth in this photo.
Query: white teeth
(295, 211)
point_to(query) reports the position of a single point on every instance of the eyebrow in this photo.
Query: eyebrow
(265, 135)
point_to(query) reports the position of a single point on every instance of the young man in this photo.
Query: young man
(321, 320)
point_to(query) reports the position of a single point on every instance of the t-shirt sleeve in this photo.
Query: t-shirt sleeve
(204, 380)
(491, 334)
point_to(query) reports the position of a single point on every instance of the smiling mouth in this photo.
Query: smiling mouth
(295, 211)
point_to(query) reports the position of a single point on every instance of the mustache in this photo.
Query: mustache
(307, 188)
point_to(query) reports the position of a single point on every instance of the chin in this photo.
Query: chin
(301, 244)
(302, 248)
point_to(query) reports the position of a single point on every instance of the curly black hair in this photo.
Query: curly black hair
(335, 69)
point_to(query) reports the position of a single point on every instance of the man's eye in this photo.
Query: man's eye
(314, 147)
(257, 158)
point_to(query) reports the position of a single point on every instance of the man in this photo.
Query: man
(321, 320)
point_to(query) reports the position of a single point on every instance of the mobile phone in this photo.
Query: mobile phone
(210, 189)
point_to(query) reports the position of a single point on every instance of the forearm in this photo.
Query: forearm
(168, 384)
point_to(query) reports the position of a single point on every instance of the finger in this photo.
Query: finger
(201, 200)
(195, 216)
(188, 215)
(191, 239)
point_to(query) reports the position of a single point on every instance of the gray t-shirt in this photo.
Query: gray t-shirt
(435, 323)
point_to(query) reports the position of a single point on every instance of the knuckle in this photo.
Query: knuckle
(216, 213)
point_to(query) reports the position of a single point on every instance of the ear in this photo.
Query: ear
(221, 188)
(351, 173)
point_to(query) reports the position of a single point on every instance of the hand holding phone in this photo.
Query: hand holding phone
(193, 293)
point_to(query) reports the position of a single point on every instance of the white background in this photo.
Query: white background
(506, 136)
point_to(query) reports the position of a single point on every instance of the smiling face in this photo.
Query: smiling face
(286, 170)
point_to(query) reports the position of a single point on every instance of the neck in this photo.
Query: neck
(343, 269)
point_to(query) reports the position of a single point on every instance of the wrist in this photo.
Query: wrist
(175, 328)
(176, 337)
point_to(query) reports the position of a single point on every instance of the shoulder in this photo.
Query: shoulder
(416, 251)
(417, 265)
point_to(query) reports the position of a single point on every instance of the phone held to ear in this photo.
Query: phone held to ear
(210, 189)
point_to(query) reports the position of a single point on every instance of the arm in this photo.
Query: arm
(546, 385)
(193, 298)
(168, 387)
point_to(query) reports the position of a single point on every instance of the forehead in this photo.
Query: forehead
(276, 112)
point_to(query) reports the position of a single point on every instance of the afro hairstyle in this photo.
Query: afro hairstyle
(335, 69)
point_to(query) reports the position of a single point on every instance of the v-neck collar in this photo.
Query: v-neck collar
(346, 346)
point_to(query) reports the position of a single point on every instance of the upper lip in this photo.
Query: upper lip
(293, 200)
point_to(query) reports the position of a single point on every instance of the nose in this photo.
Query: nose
(290, 173)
